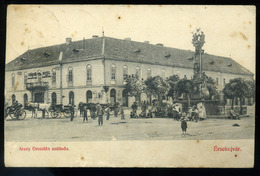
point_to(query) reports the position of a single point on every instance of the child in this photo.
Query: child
(183, 120)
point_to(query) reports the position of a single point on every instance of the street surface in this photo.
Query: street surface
(61, 130)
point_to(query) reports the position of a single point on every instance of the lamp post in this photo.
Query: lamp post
(198, 40)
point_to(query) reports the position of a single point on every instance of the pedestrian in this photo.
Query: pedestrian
(43, 113)
(122, 114)
(184, 126)
(85, 114)
(107, 112)
(116, 110)
(71, 113)
(195, 114)
(100, 114)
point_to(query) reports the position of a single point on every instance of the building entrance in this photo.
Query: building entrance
(39, 97)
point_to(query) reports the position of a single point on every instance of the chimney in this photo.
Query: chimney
(68, 41)
(159, 44)
(147, 42)
(94, 36)
(128, 39)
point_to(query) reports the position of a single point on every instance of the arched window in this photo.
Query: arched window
(13, 98)
(125, 72)
(71, 98)
(149, 72)
(125, 97)
(138, 72)
(112, 96)
(39, 75)
(53, 98)
(89, 96)
(113, 72)
(25, 99)
(163, 73)
(70, 76)
(89, 73)
(53, 77)
(25, 78)
(13, 80)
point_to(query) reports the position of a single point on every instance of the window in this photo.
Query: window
(125, 72)
(39, 75)
(149, 72)
(70, 76)
(13, 80)
(53, 98)
(25, 78)
(89, 73)
(224, 81)
(217, 81)
(163, 73)
(113, 72)
(138, 72)
(71, 98)
(53, 77)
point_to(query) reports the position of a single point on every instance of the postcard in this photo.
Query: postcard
(130, 86)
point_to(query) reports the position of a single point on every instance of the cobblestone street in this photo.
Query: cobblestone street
(48, 129)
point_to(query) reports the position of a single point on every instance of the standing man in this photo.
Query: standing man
(100, 114)
(108, 112)
(72, 113)
(85, 115)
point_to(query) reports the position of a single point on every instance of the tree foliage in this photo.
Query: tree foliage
(156, 86)
(238, 88)
(134, 86)
(172, 81)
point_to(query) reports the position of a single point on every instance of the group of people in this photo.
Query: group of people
(100, 112)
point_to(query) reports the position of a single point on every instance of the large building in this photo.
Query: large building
(77, 71)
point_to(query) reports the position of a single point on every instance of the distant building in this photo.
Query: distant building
(75, 72)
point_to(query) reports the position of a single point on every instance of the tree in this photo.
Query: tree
(172, 81)
(185, 86)
(156, 86)
(134, 86)
(238, 88)
(211, 86)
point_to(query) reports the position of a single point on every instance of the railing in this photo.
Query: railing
(35, 85)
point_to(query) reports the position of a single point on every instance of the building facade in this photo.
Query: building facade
(78, 71)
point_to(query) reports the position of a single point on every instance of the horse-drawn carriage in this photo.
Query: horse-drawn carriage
(56, 110)
(16, 112)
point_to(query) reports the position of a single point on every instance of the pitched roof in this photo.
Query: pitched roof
(124, 50)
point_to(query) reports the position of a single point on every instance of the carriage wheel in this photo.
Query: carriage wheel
(12, 115)
(22, 114)
(67, 114)
(55, 114)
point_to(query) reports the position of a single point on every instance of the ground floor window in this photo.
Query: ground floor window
(125, 98)
(112, 96)
(13, 98)
(71, 98)
(53, 98)
(89, 96)
(25, 99)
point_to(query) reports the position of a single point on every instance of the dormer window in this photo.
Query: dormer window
(167, 56)
(75, 50)
(229, 65)
(137, 51)
(46, 54)
(23, 59)
(191, 59)
(211, 62)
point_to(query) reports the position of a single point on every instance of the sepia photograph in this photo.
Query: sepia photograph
(131, 77)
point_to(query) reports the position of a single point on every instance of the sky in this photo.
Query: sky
(229, 30)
